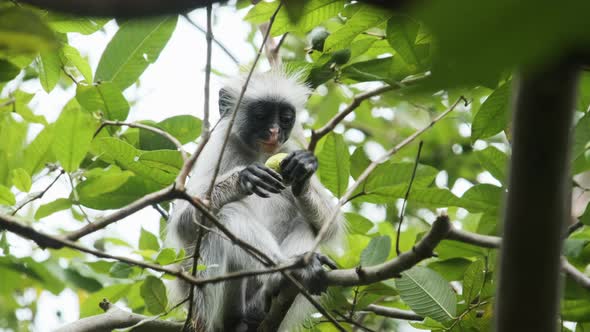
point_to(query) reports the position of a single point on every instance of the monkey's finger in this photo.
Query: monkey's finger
(302, 171)
(259, 182)
(287, 170)
(269, 178)
(247, 187)
(327, 261)
(287, 159)
(271, 171)
(260, 192)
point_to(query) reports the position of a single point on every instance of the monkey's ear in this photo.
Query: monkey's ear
(224, 102)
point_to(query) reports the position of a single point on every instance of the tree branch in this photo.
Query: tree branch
(116, 318)
(391, 269)
(165, 194)
(393, 312)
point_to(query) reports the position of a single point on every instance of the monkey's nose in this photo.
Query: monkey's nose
(274, 133)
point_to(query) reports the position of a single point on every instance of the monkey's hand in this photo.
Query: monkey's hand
(312, 276)
(260, 180)
(297, 168)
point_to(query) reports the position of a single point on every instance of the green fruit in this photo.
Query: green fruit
(318, 39)
(341, 57)
(274, 162)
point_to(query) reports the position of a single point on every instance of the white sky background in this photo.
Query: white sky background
(172, 86)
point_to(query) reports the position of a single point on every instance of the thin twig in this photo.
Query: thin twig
(155, 130)
(161, 211)
(216, 41)
(239, 101)
(40, 194)
(393, 312)
(10, 101)
(352, 322)
(357, 100)
(205, 137)
(403, 209)
(365, 174)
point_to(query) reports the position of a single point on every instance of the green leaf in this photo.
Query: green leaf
(482, 198)
(473, 280)
(153, 292)
(52, 207)
(6, 196)
(391, 174)
(101, 181)
(186, 128)
(334, 161)
(8, 71)
(401, 35)
(148, 241)
(312, 13)
(71, 58)
(76, 129)
(23, 32)
(492, 116)
(390, 69)
(377, 251)
(80, 281)
(451, 269)
(364, 18)
(64, 23)
(21, 180)
(574, 247)
(494, 161)
(576, 310)
(581, 136)
(39, 152)
(112, 293)
(135, 188)
(357, 223)
(49, 66)
(358, 162)
(121, 270)
(106, 98)
(150, 166)
(136, 44)
(427, 293)
(166, 256)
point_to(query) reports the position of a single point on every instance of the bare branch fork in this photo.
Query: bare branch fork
(39, 195)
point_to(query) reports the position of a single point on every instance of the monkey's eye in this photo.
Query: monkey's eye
(286, 119)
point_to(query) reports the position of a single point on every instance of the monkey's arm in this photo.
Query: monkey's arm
(316, 206)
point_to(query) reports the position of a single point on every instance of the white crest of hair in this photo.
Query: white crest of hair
(278, 83)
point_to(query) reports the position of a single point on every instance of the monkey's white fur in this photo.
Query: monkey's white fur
(282, 226)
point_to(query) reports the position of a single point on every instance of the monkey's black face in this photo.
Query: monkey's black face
(267, 124)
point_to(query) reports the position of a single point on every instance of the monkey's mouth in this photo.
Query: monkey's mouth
(270, 146)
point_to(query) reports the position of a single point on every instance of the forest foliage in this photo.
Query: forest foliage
(430, 58)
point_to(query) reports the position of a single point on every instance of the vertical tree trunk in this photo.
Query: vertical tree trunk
(538, 201)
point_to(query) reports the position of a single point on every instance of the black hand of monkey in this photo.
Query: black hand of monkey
(312, 276)
(297, 168)
(260, 180)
